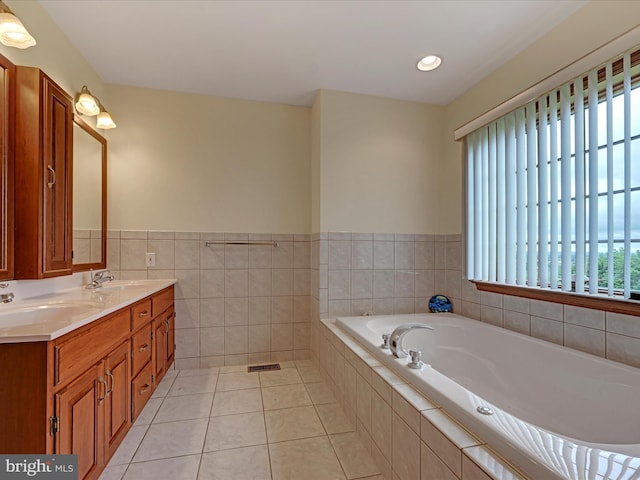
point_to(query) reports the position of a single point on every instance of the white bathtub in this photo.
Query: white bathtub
(558, 413)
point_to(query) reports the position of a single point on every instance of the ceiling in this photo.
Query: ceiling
(283, 51)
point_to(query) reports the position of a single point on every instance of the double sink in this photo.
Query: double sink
(49, 316)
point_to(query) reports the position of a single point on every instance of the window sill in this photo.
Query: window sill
(597, 302)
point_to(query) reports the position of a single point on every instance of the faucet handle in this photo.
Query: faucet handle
(385, 341)
(415, 359)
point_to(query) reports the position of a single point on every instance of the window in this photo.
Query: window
(553, 188)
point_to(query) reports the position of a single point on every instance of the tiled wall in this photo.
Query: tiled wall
(235, 304)
(87, 246)
(385, 273)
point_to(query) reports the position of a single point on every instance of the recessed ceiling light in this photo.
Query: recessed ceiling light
(430, 62)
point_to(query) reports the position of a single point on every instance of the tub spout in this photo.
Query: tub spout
(397, 336)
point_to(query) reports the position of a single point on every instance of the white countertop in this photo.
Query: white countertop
(49, 316)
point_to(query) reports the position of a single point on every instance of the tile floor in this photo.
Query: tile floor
(226, 424)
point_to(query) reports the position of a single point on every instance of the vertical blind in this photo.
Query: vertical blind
(553, 188)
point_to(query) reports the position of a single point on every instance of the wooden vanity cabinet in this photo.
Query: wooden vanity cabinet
(80, 393)
(43, 189)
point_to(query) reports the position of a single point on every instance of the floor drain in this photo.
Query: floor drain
(263, 368)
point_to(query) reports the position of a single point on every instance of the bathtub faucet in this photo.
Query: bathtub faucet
(397, 336)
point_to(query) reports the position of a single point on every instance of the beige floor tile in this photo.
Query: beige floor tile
(334, 419)
(178, 468)
(233, 369)
(287, 364)
(149, 411)
(184, 407)
(308, 459)
(163, 387)
(193, 385)
(165, 440)
(233, 431)
(237, 401)
(286, 376)
(320, 393)
(303, 363)
(310, 374)
(285, 396)
(114, 472)
(192, 372)
(250, 463)
(292, 423)
(354, 457)
(237, 381)
(129, 445)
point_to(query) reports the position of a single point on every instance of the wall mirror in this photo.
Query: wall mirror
(89, 197)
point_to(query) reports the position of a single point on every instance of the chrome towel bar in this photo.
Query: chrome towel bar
(239, 242)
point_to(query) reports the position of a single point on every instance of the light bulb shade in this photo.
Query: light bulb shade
(105, 121)
(87, 103)
(13, 33)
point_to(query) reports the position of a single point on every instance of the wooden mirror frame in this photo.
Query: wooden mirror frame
(83, 267)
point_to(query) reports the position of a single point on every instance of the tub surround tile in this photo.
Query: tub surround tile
(356, 461)
(381, 424)
(478, 461)
(431, 467)
(585, 339)
(584, 317)
(406, 451)
(546, 329)
(621, 324)
(518, 322)
(334, 419)
(621, 348)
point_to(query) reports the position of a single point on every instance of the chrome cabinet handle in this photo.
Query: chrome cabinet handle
(53, 176)
(143, 347)
(110, 375)
(101, 380)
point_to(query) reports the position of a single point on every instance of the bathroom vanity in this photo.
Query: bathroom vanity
(76, 369)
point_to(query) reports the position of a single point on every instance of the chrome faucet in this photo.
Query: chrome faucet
(7, 297)
(397, 336)
(99, 278)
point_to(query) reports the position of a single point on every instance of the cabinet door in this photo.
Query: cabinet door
(80, 412)
(117, 368)
(160, 346)
(7, 123)
(171, 336)
(57, 124)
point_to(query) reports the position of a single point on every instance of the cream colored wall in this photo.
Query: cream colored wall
(53, 53)
(316, 115)
(588, 29)
(379, 164)
(199, 163)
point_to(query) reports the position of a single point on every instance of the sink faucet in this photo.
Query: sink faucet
(6, 297)
(99, 278)
(397, 336)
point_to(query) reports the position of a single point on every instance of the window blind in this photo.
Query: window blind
(553, 188)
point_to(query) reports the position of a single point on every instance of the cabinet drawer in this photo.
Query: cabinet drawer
(140, 314)
(141, 349)
(75, 354)
(162, 300)
(141, 390)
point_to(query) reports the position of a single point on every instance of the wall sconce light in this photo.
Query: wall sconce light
(89, 105)
(12, 32)
(104, 120)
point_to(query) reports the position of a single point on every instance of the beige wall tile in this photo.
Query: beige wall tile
(406, 451)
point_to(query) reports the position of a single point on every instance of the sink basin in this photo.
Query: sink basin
(116, 285)
(32, 313)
